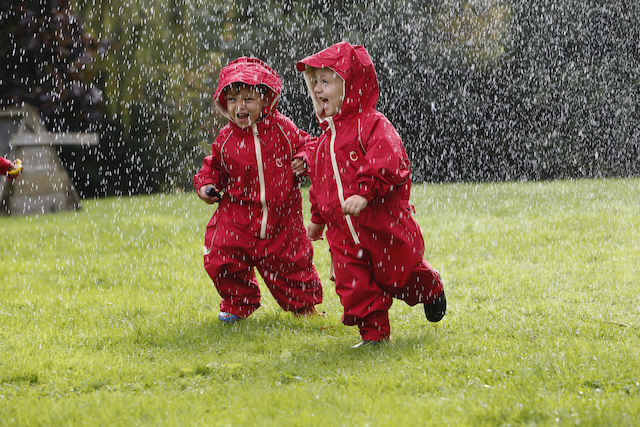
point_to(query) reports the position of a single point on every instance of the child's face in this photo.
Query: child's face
(245, 105)
(329, 88)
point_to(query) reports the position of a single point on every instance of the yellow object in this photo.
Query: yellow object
(17, 168)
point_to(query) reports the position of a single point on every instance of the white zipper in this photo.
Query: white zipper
(336, 173)
(263, 195)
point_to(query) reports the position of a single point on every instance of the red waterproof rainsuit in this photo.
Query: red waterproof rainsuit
(258, 222)
(379, 254)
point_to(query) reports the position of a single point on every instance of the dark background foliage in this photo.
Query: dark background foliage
(479, 90)
(47, 62)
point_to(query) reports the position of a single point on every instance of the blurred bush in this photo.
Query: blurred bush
(478, 89)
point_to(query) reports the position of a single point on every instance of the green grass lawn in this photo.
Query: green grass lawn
(108, 318)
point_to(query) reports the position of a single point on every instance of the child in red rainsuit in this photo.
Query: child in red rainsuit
(7, 167)
(360, 188)
(256, 160)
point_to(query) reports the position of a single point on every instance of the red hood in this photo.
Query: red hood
(354, 65)
(251, 71)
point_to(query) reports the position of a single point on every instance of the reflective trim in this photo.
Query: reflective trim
(263, 191)
(336, 173)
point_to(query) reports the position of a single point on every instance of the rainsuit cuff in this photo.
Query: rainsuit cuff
(201, 183)
(370, 194)
(317, 219)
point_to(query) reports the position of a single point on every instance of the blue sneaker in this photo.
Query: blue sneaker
(225, 317)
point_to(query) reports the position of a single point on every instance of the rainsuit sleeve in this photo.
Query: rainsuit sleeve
(315, 212)
(5, 166)
(212, 171)
(310, 147)
(302, 139)
(310, 143)
(297, 137)
(386, 163)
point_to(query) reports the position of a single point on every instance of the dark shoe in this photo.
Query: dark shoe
(437, 309)
(366, 343)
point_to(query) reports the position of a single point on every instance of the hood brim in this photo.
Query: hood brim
(252, 72)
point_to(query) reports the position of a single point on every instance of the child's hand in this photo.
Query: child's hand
(314, 231)
(209, 194)
(353, 205)
(299, 166)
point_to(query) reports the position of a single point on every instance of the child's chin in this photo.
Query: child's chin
(244, 124)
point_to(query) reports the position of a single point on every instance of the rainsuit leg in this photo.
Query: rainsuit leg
(365, 303)
(229, 261)
(424, 285)
(397, 248)
(239, 291)
(287, 269)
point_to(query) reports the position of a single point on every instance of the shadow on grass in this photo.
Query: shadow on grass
(268, 332)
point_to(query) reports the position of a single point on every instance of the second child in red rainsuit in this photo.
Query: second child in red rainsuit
(255, 161)
(360, 188)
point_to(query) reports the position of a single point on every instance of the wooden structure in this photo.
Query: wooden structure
(44, 185)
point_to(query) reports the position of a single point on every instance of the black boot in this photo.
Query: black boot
(437, 309)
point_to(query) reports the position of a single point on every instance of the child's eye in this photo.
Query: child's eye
(231, 99)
